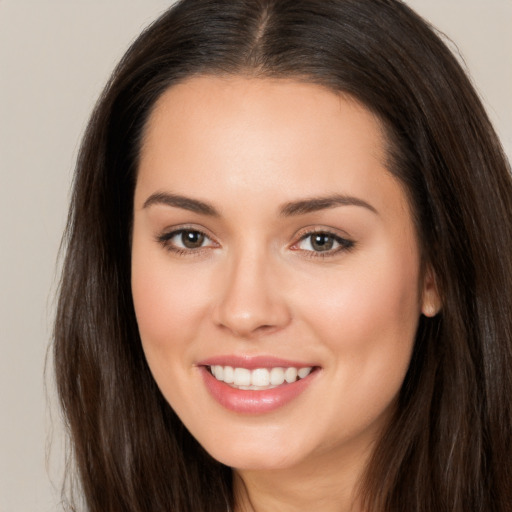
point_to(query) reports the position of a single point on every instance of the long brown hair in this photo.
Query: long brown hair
(449, 446)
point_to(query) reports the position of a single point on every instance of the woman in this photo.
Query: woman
(288, 283)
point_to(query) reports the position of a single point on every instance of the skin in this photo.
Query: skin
(247, 147)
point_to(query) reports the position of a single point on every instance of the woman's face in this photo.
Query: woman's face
(270, 240)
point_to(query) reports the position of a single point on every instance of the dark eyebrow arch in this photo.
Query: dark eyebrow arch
(177, 201)
(322, 203)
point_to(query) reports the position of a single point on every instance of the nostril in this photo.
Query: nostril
(252, 332)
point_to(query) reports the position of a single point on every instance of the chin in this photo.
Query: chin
(257, 453)
(255, 459)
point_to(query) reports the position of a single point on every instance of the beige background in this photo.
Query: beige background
(54, 58)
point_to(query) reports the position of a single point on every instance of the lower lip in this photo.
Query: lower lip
(254, 401)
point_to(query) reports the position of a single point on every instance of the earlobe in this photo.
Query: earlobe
(431, 300)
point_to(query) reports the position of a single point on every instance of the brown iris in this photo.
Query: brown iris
(322, 242)
(192, 239)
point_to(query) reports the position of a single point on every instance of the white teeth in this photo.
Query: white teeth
(242, 377)
(290, 375)
(276, 376)
(304, 372)
(229, 375)
(259, 378)
(218, 371)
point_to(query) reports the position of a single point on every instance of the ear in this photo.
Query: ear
(430, 298)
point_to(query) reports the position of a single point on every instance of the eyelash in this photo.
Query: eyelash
(165, 240)
(344, 244)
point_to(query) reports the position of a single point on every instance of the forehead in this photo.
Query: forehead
(274, 136)
(222, 102)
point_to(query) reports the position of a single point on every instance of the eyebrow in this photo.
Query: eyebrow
(177, 201)
(322, 203)
(290, 209)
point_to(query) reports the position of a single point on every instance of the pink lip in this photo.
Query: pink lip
(254, 401)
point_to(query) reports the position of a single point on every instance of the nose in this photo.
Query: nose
(252, 300)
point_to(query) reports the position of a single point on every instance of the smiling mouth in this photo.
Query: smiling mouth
(258, 379)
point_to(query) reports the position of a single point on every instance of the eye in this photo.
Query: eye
(185, 240)
(189, 239)
(323, 242)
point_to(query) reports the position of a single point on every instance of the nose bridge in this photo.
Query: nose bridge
(251, 301)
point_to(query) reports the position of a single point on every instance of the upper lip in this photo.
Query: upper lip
(253, 362)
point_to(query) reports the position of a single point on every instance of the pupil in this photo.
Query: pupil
(322, 242)
(192, 239)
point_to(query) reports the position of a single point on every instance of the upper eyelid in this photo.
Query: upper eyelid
(169, 232)
(175, 232)
(305, 232)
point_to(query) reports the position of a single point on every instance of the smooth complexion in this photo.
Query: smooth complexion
(267, 230)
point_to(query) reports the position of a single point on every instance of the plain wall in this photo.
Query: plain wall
(55, 57)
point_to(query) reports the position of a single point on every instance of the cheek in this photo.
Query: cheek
(373, 297)
(162, 305)
(169, 304)
(368, 321)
